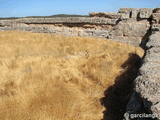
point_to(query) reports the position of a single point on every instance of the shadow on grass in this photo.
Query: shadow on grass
(118, 95)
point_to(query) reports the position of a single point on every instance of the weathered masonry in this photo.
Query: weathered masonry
(139, 27)
(129, 25)
(146, 94)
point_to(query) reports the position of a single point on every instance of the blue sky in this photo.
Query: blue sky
(22, 8)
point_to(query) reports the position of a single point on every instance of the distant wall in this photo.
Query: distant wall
(129, 25)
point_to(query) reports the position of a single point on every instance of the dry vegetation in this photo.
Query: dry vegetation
(46, 77)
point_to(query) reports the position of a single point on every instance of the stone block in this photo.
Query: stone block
(154, 40)
(156, 18)
(156, 109)
(93, 14)
(156, 10)
(152, 55)
(125, 13)
(7, 22)
(145, 13)
(59, 20)
(147, 69)
(133, 28)
(128, 12)
(155, 28)
(111, 15)
(134, 13)
(101, 33)
(148, 87)
(86, 33)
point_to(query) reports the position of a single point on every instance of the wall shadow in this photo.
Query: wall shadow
(118, 95)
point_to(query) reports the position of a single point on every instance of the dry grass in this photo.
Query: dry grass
(46, 77)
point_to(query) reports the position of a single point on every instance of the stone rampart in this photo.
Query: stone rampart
(129, 25)
(146, 95)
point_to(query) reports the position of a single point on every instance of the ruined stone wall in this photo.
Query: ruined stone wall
(129, 25)
(146, 95)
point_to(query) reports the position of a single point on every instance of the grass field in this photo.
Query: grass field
(46, 77)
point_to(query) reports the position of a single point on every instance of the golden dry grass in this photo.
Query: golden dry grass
(46, 77)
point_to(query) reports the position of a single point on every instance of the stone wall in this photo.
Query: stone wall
(146, 95)
(129, 25)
